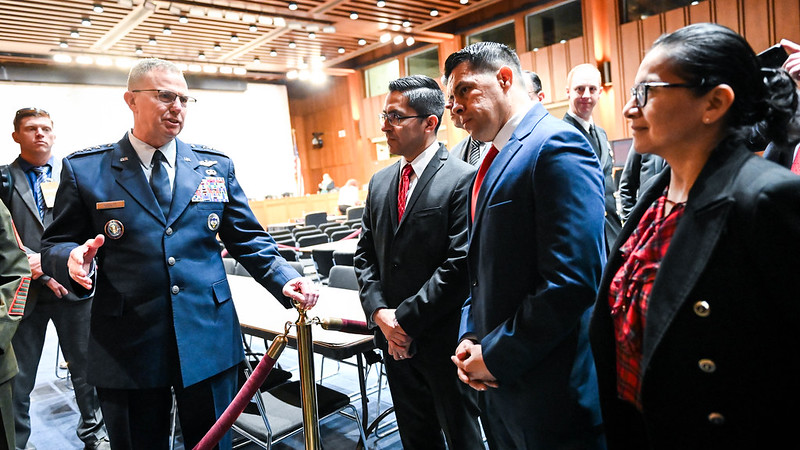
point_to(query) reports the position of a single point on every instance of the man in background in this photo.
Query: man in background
(14, 285)
(535, 256)
(136, 225)
(535, 86)
(30, 199)
(410, 263)
(583, 88)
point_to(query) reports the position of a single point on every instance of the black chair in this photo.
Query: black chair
(313, 239)
(281, 415)
(330, 230)
(288, 254)
(343, 258)
(281, 234)
(354, 212)
(316, 218)
(313, 232)
(302, 229)
(324, 226)
(352, 222)
(343, 277)
(323, 259)
(341, 234)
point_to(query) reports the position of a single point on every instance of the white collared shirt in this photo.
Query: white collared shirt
(418, 165)
(585, 124)
(503, 136)
(146, 151)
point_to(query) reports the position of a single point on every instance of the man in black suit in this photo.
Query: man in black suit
(411, 269)
(583, 88)
(29, 198)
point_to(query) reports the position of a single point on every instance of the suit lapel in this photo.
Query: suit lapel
(127, 172)
(695, 238)
(187, 180)
(391, 196)
(592, 141)
(23, 188)
(433, 166)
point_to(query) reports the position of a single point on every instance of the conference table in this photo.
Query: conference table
(262, 316)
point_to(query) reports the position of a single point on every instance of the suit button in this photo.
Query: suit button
(395, 265)
(716, 418)
(474, 283)
(707, 365)
(171, 261)
(702, 308)
(175, 289)
(169, 231)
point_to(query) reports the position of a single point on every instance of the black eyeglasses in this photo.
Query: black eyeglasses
(639, 90)
(394, 118)
(31, 112)
(168, 97)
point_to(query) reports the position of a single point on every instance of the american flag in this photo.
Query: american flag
(298, 169)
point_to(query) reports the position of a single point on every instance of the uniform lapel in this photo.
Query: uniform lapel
(129, 175)
(695, 238)
(187, 180)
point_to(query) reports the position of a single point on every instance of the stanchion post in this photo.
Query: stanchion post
(308, 385)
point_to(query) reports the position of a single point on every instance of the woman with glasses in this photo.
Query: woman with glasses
(696, 323)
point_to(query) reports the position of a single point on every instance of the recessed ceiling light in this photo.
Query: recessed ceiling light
(74, 33)
(87, 22)
(434, 12)
(167, 31)
(152, 41)
(183, 19)
(341, 50)
(406, 24)
(98, 8)
(354, 15)
(234, 38)
(463, 2)
(381, 3)
(385, 37)
(312, 35)
(292, 44)
(226, 70)
(398, 40)
(362, 42)
(240, 71)
(253, 28)
(410, 41)
(210, 69)
(202, 56)
(217, 47)
(139, 50)
(63, 44)
(257, 60)
(292, 6)
(273, 52)
(322, 57)
(62, 58)
(231, 15)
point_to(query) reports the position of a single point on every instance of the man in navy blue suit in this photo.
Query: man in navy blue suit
(162, 318)
(535, 257)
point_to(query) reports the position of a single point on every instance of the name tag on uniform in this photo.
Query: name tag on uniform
(211, 189)
(49, 189)
(111, 205)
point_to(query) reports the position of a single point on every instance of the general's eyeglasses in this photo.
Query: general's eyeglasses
(168, 97)
(639, 90)
(394, 118)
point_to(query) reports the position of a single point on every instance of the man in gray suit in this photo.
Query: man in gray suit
(583, 88)
(29, 193)
(411, 267)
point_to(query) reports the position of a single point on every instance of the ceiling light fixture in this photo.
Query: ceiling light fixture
(463, 2)
(226, 70)
(354, 15)
(128, 3)
(253, 28)
(341, 50)
(398, 40)
(312, 35)
(210, 69)
(74, 33)
(139, 50)
(98, 8)
(175, 9)
(292, 44)
(434, 12)
(273, 52)
(63, 44)
(62, 58)
(152, 40)
(217, 47)
(362, 42)
(381, 3)
(292, 74)
(240, 71)
(183, 19)
(232, 15)
(410, 41)
(406, 24)
(87, 22)
(234, 38)
(256, 60)
(264, 20)
(292, 6)
(167, 31)
(385, 37)
(202, 56)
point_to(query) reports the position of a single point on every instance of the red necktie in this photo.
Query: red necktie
(476, 188)
(405, 180)
(796, 163)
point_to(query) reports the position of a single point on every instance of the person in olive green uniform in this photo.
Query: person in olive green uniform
(15, 277)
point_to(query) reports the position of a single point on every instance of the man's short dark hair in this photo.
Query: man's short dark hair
(484, 57)
(536, 82)
(28, 112)
(423, 93)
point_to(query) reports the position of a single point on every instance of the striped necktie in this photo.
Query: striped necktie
(41, 177)
(474, 152)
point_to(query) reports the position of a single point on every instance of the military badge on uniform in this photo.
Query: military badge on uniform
(211, 172)
(213, 222)
(211, 189)
(207, 162)
(114, 229)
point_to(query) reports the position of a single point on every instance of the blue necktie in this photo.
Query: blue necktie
(41, 177)
(159, 182)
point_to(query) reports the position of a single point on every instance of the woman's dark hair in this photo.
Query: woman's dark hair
(707, 55)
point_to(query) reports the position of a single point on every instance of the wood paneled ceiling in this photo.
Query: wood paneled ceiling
(262, 39)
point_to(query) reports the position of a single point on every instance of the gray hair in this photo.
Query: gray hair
(147, 65)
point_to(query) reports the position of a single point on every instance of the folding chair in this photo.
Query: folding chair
(343, 277)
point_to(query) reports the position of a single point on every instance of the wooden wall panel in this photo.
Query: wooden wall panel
(674, 20)
(559, 71)
(700, 12)
(757, 24)
(543, 68)
(578, 53)
(632, 51)
(786, 18)
(652, 28)
(727, 14)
